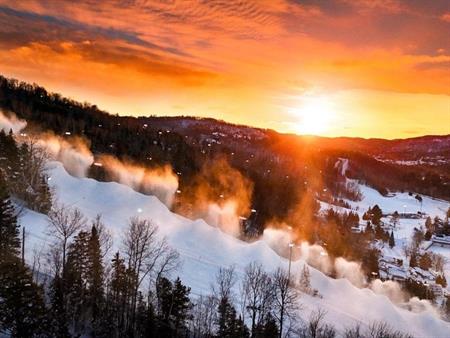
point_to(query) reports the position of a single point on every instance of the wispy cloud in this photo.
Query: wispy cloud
(237, 56)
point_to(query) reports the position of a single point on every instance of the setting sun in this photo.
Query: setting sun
(314, 115)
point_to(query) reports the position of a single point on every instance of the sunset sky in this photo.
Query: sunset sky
(369, 68)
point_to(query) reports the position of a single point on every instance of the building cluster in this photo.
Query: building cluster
(393, 268)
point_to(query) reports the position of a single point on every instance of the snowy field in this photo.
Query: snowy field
(204, 249)
(403, 203)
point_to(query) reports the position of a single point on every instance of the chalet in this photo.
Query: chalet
(397, 273)
(421, 275)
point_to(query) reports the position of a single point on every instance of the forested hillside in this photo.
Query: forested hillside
(263, 156)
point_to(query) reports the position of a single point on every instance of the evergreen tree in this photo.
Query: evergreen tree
(165, 301)
(75, 280)
(223, 324)
(145, 319)
(22, 307)
(368, 231)
(376, 215)
(181, 305)
(270, 327)
(58, 315)
(174, 306)
(94, 275)
(229, 325)
(242, 330)
(9, 229)
(9, 156)
(413, 260)
(117, 297)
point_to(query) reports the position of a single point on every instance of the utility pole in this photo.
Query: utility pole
(23, 246)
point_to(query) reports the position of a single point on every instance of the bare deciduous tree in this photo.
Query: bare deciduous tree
(203, 317)
(37, 258)
(316, 327)
(285, 298)
(54, 260)
(64, 223)
(383, 330)
(225, 280)
(146, 253)
(259, 294)
(353, 332)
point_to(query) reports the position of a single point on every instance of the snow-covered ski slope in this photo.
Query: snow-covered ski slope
(204, 249)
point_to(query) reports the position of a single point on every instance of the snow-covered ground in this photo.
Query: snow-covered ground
(204, 249)
(403, 231)
(403, 203)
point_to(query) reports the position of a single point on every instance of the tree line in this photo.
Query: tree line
(22, 168)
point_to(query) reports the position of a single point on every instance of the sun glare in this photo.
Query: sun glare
(314, 115)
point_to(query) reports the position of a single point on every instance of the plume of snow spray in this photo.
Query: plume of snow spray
(161, 182)
(278, 239)
(351, 271)
(220, 195)
(10, 121)
(317, 257)
(72, 152)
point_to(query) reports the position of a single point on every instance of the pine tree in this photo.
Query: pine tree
(270, 327)
(165, 301)
(118, 292)
(75, 280)
(9, 229)
(181, 305)
(94, 275)
(9, 156)
(376, 215)
(229, 325)
(242, 330)
(22, 306)
(174, 305)
(413, 260)
(58, 315)
(225, 320)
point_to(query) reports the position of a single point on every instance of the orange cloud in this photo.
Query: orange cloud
(231, 59)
